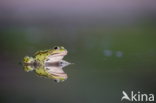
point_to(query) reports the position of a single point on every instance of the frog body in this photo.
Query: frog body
(46, 56)
(53, 72)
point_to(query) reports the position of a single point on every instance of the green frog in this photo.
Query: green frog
(52, 71)
(46, 56)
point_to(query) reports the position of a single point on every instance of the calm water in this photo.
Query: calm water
(112, 45)
(84, 84)
(99, 75)
(107, 61)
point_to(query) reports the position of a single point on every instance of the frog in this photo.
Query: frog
(53, 71)
(42, 57)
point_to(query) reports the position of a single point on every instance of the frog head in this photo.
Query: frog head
(58, 50)
(59, 79)
(56, 54)
(56, 73)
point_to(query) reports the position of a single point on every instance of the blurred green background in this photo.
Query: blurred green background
(113, 46)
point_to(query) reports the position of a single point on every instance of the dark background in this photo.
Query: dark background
(112, 43)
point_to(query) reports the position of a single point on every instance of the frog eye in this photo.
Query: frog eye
(57, 80)
(56, 48)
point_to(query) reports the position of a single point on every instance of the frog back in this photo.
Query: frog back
(39, 55)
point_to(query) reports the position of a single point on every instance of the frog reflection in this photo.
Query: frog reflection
(50, 70)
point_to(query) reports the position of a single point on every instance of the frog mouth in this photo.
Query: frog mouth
(60, 54)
